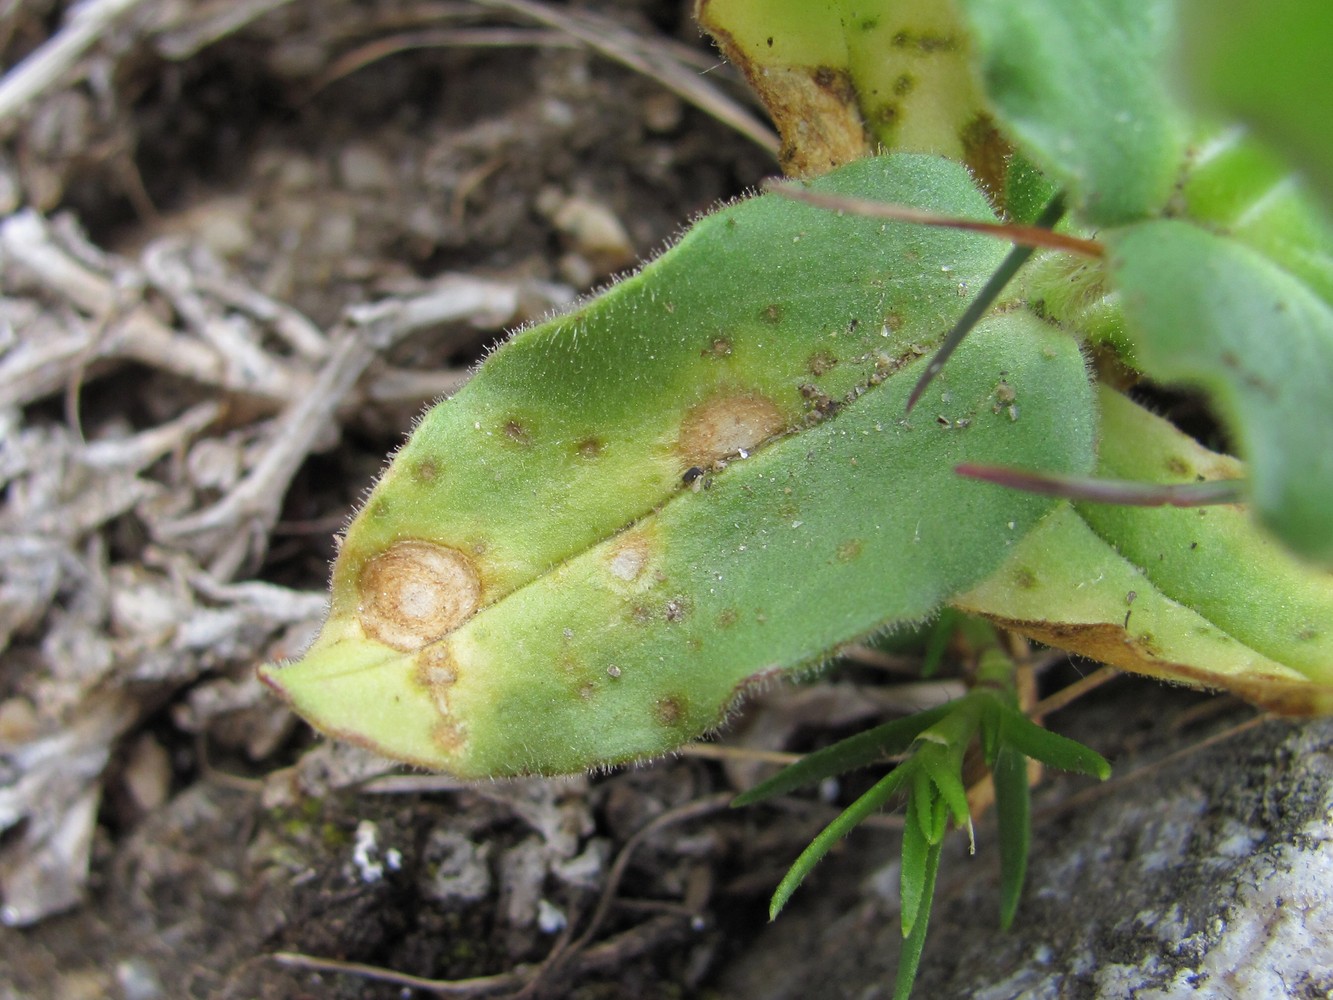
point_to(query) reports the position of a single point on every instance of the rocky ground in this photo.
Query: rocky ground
(242, 244)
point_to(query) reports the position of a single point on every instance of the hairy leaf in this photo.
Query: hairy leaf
(1212, 559)
(573, 561)
(1080, 85)
(1265, 360)
(1196, 595)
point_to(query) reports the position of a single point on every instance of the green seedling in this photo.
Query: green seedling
(713, 473)
(933, 744)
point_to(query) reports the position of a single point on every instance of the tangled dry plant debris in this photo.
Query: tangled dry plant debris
(129, 534)
(177, 343)
(88, 618)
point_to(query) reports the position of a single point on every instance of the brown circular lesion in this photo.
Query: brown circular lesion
(670, 711)
(590, 447)
(628, 557)
(415, 592)
(727, 425)
(518, 432)
(436, 669)
(425, 470)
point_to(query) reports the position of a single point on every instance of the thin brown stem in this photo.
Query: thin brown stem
(1072, 692)
(1113, 491)
(1012, 232)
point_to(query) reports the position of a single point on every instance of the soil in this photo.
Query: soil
(248, 177)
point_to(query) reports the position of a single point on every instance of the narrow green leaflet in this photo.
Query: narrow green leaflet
(914, 873)
(932, 776)
(700, 479)
(1265, 361)
(909, 959)
(851, 817)
(939, 756)
(869, 747)
(1080, 86)
(1018, 732)
(1013, 806)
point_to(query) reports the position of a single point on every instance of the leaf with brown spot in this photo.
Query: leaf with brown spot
(648, 622)
(579, 435)
(1199, 596)
(893, 74)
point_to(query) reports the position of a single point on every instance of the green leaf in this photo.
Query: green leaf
(1012, 814)
(1020, 733)
(923, 794)
(909, 959)
(1080, 85)
(1266, 62)
(1065, 586)
(868, 747)
(948, 783)
(942, 763)
(1239, 189)
(536, 586)
(939, 819)
(1212, 559)
(1027, 191)
(1265, 359)
(847, 821)
(917, 843)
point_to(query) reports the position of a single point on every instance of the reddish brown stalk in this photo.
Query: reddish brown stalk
(1012, 232)
(1116, 491)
